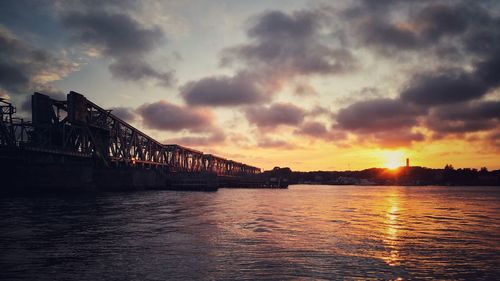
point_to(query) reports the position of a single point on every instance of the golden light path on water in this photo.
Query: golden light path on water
(392, 229)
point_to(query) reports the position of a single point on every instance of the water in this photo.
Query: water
(305, 232)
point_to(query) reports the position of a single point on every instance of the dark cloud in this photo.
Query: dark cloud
(445, 105)
(381, 5)
(454, 86)
(484, 41)
(275, 115)
(133, 69)
(378, 115)
(24, 68)
(31, 17)
(122, 38)
(127, 114)
(473, 25)
(385, 122)
(116, 34)
(223, 91)
(99, 5)
(488, 70)
(483, 36)
(474, 110)
(371, 26)
(301, 24)
(165, 116)
(443, 88)
(424, 28)
(382, 34)
(464, 117)
(12, 77)
(437, 20)
(391, 122)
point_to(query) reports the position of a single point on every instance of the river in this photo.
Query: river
(304, 232)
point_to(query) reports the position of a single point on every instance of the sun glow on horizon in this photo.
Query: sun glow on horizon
(392, 159)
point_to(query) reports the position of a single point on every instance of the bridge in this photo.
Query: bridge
(79, 131)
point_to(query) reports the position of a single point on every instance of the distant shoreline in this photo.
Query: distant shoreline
(410, 176)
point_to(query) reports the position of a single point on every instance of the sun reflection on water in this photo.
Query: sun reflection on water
(391, 233)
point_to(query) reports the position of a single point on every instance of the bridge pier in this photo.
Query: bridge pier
(28, 174)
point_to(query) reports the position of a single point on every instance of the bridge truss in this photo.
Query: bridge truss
(79, 127)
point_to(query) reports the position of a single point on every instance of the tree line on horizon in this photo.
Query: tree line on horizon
(401, 176)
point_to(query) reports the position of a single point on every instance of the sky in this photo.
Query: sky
(310, 85)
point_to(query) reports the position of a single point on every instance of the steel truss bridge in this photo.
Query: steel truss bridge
(79, 128)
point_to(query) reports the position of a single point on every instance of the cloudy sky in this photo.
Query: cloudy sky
(331, 85)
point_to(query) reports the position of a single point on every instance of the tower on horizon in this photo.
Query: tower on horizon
(407, 162)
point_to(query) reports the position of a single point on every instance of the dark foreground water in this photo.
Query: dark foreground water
(305, 232)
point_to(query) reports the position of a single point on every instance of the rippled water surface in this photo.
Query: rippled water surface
(305, 232)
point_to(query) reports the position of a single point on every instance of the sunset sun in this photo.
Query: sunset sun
(392, 159)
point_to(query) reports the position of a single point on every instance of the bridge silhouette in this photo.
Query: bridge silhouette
(80, 133)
